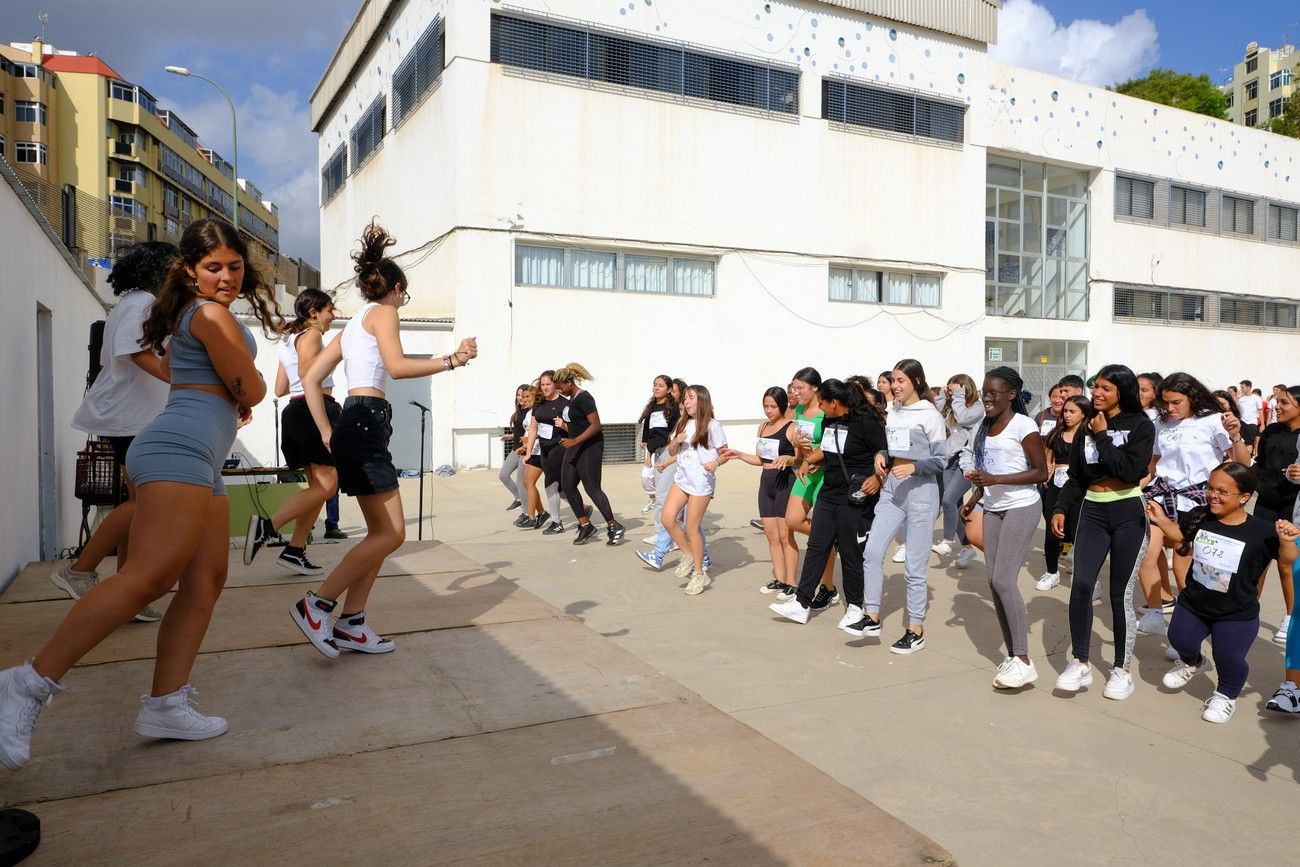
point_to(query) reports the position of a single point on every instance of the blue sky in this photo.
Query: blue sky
(269, 54)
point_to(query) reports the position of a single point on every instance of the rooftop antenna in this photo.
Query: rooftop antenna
(44, 18)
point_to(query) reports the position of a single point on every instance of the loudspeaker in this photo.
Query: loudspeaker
(96, 347)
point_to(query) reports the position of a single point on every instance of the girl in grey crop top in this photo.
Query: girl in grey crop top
(189, 361)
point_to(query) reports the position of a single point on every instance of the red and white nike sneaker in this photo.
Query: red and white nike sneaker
(312, 614)
(352, 633)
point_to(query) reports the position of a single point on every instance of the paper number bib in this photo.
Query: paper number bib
(834, 443)
(565, 414)
(806, 429)
(995, 460)
(768, 449)
(898, 439)
(1060, 476)
(545, 431)
(1215, 559)
(1117, 438)
(1047, 426)
(658, 419)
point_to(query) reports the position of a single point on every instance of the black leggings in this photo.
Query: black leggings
(552, 466)
(836, 526)
(1051, 544)
(1120, 529)
(582, 464)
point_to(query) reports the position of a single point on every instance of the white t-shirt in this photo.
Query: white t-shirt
(1189, 450)
(1250, 406)
(691, 476)
(124, 398)
(1004, 454)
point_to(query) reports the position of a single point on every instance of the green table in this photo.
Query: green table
(259, 491)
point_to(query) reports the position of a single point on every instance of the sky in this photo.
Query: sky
(269, 54)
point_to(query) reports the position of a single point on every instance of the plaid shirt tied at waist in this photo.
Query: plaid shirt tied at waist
(1167, 495)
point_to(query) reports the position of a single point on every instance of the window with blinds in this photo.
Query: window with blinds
(1283, 223)
(893, 111)
(1237, 215)
(419, 72)
(368, 134)
(334, 175)
(1187, 206)
(613, 270)
(1135, 197)
(1209, 309)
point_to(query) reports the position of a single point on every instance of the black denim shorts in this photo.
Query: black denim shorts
(299, 437)
(360, 447)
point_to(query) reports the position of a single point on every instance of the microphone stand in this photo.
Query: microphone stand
(275, 408)
(424, 412)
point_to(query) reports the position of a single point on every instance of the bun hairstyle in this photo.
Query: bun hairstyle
(308, 302)
(377, 274)
(142, 266)
(913, 370)
(179, 289)
(847, 394)
(1245, 479)
(572, 372)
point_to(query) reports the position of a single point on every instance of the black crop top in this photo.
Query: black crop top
(655, 438)
(783, 444)
(1122, 451)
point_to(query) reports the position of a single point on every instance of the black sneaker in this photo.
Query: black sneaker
(539, 522)
(585, 532)
(756, 523)
(785, 592)
(523, 521)
(868, 627)
(296, 561)
(773, 586)
(555, 528)
(515, 505)
(259, 533)
(616, 534)
(277, 541)
(825, 598)
(911, 642)
(332, 531)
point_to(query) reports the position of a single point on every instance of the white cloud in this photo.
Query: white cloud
(1083, 50)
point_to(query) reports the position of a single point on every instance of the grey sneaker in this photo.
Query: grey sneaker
(148, 614)
(75, 584)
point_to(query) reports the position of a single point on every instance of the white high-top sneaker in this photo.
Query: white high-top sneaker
(173, 716)
(23, 693)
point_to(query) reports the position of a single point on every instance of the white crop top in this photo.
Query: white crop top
(288, 350)
(362, 364)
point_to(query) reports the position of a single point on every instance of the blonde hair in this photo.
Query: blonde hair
(572, 372)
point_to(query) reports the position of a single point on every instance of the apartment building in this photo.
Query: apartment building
(1261, 84)
(729, 194)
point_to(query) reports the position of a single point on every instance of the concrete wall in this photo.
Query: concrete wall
(36, 272)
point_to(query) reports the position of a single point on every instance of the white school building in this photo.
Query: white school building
(728, 190)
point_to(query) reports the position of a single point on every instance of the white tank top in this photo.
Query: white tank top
(288, 350)
(362, 364)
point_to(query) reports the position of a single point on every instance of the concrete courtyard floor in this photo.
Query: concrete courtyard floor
(557, 704)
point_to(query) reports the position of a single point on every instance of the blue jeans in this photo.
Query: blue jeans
(663, 541)
(332, 510)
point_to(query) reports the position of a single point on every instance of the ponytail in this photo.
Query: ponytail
(377, 274)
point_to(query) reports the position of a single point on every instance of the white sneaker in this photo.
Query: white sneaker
(1286, 699)
(1182, 673)
(1218, 709)
(900, 554)
(1048, 580)
(351, 635)
(699, 581)
(1119, 686)
(942, 548)
(651, 540)
(791, 610)
(685, 566)
(313, 618)
(23, 693)
(966, 556)
(75, 584)
(1279, 637)
(1013, 674)
(172, 716)
(852, 615)
(1152, 623)
(1076, 676)
(648, 507)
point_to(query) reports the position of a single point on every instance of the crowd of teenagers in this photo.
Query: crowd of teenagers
(1150, 474)
(179, 380)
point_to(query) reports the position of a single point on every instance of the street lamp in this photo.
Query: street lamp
(234, 134)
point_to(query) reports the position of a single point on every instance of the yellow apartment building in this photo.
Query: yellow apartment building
(1261, 84)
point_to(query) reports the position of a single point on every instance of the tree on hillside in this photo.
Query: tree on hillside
(1289, 122)
(1180, 90)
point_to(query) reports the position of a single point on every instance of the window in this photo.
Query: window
(892, 111)
(419, 72)
(1276, 107)
(126, 206)
(132, 93)
(2, 147)
(1279, 79)
(1237, 215)
(1252, 88)
(2, 104)
(368, 134)
(1230, 99)
(1252, 63)
(27, 111)
(1279, 315)
(1187, 206)
(1035, 240)
(665, 67)
(335, 173)
(1283, 223)
(613, 270)
(1252, 118)
(29, 152)
(852, 284)
(1164, 305)
(1240, 311)
(1135, 197)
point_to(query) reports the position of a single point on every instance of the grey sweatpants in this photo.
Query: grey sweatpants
(911, 504)
(1007, 537)
(663, 483)
(512, 475)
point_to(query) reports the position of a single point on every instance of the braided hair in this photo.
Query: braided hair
(1013, 381)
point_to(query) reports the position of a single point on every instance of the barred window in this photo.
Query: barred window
(368, 133)
(1163, 305)
(893, 111)
(1135, 197)
(419, 72)
(1240, 311)
(1187, 206)
(580, 52)
(335, 173)
(613, 270)
(1283, 223)
(1237, 215)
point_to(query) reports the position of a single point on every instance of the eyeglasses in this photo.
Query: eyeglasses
(406, 297)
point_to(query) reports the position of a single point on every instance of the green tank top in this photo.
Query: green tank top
(802, 421)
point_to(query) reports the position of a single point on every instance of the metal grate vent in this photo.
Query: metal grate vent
(894, 111)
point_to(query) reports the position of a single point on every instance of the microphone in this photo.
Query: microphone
(420, 405)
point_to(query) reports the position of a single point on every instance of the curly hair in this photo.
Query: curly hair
(180, 288)
(142, 266)
(572, 372)
(377, 274)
